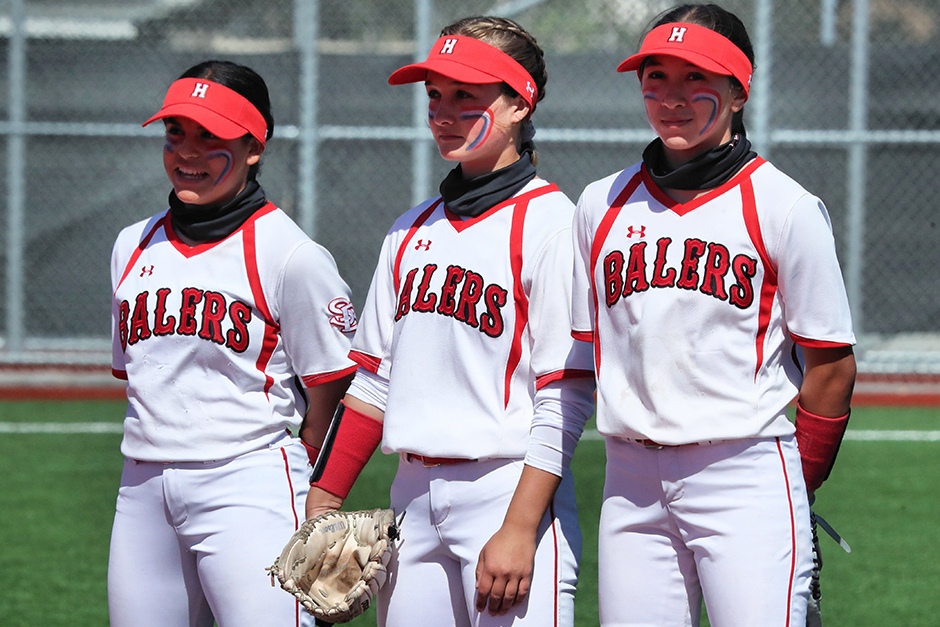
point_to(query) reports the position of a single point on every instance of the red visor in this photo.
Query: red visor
(469, 60)
(222, 111)
(695, 44)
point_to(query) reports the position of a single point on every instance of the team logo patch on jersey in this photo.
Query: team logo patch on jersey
(343, 315)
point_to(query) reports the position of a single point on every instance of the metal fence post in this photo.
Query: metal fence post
(763, 60)
(306, 29)
(858, 161)
(16, 171)
(421, 146)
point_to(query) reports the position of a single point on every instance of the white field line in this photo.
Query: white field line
(590, 434)
(851, 434)
(61, 427)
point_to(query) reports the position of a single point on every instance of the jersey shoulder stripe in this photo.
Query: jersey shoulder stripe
(520, 209)
(597, 243)
(684, 208)
(422, 218)
(462, 224)
(769, 283)
(144, 242)
(191, 251)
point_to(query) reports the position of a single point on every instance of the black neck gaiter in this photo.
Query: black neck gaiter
(470, 197)
(706, 171)
(211, 223)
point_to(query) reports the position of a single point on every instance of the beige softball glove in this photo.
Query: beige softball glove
(335, 563)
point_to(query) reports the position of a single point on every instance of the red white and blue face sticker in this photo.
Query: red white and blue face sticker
(712, 98)
(221, 153)
(709, 97)
(479, 137)
(486, 117)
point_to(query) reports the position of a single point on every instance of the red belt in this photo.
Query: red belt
(431, 462)
(655, 446)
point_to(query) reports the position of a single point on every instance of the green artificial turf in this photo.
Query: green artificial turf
(58, 490)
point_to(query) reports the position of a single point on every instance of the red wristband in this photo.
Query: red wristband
(312, 452)
(818, 439)
(356, 439)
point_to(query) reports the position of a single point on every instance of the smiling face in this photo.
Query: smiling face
(475, 125)
(689, 108)
(203, 168)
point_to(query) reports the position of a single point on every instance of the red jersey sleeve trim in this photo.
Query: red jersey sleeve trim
(119, 374)
(368, 362)
(805, 341)
(584, 336)
(558, 375)
(319, 379)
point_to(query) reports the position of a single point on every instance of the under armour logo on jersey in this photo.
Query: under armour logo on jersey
(343, 315)
(200, 90)
(422, 246)
(148, 270)
(448, 47)
(678, 34)
(639, 232)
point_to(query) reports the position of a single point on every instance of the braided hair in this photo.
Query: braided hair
(511, 38)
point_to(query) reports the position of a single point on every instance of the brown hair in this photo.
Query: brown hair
(509, 37)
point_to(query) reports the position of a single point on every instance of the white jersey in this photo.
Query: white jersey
(466, 318)
(695, 309)
(214, 340)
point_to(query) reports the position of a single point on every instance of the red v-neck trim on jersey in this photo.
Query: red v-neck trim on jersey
(684, 208)
(191, 251)
(461, 224)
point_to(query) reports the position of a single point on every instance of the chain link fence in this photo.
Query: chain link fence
(844, 100)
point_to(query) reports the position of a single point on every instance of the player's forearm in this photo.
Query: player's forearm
(828, 380)
(322, 401)
(533, 495)
(364, 408)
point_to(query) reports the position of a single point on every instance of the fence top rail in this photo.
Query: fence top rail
(410, 133)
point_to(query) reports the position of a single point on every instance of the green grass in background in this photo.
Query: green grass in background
(57, 498)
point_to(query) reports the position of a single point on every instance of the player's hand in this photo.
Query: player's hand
(504, 570)
(320, 501)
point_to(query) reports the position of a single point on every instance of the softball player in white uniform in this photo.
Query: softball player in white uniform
(465, 350)
(228, 324)
(708, 282)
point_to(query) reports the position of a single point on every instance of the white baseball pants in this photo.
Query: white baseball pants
(728, 520)
(191, 541)
(452, 511)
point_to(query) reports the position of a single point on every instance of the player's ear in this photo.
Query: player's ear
(255, 150)
(521, 109)
(738, 97)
